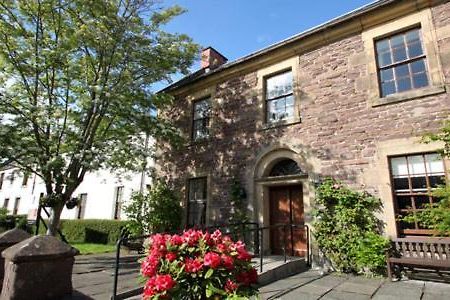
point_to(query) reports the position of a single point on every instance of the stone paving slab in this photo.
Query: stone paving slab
(340, 295)
(93, 278)
(348, 287)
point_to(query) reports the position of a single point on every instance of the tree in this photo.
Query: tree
(75, 87)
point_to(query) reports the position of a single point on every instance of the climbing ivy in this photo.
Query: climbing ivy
(238, 199)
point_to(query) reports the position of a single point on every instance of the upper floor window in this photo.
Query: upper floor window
(279, 97)
(197, 202)
(2, 177)
(200, 126)
(26, 175)
(413, 179)
(401, 62)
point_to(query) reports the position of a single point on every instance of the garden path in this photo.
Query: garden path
(93, 277)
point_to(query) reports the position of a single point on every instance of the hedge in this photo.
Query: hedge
(90, 230)
(12, 221)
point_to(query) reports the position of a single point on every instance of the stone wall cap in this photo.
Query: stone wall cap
(38, 248)
(13, 236)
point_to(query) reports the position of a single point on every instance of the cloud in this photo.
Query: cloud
(262, 38)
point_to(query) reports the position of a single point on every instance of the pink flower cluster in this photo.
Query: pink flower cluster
(177, 260)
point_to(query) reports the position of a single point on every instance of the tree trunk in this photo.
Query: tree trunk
(55, 217)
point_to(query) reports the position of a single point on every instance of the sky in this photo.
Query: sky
(237, 28)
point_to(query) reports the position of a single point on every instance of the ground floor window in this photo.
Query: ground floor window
(118, 197)
(16, 206)
(81, 209)
(413, 179)
(5, 203)
(197, 202)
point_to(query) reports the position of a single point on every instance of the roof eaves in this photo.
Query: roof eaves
(333, 22)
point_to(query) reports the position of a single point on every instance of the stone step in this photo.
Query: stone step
(274, 268)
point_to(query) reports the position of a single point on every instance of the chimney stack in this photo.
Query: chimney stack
(212, 59)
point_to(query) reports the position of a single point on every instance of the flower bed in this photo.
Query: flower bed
(197, 265)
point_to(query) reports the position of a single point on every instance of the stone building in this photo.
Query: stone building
(349, 99)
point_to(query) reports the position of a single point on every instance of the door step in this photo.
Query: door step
(274, 268)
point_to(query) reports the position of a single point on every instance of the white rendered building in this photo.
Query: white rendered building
(101, 194)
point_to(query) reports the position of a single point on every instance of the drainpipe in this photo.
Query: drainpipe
(141, 186)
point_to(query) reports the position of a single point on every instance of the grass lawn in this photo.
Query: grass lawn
(87, 248)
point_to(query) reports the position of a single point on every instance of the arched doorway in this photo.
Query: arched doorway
(286, 207)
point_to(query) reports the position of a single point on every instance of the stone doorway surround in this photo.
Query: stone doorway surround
(259, 186)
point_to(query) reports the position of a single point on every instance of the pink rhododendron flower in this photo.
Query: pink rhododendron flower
(171, 256)
(212, 260)
(193, 265)
(230, 286)
(149, 266)
(164, 283)
(227, 261)
(192, 254)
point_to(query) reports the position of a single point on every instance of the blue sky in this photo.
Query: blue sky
(238, 27)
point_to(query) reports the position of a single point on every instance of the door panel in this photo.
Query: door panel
(286, 206)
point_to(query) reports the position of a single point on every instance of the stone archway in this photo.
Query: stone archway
(281, 171)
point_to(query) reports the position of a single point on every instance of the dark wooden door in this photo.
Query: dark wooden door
(286, 207)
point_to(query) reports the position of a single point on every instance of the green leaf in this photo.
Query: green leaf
(209, 273)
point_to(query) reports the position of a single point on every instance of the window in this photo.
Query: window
(2, 177)
(401, 62)
(16, 206)
(279, 97)
(81, 209)
(285, 167)
(118, 195)
(6, 203)
(197, 202)
(25, 178)
(200, 126)
(11, 177)
(413, 179)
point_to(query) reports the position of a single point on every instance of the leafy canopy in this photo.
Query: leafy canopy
(76, 82)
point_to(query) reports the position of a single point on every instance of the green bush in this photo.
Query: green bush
(157, 211)
(8, 222)
(90, 230)
(347, 230)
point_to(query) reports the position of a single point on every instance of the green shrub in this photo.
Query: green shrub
(347, 230)
(92, 231)
(157, 211)
(8, 222)
(89, 230)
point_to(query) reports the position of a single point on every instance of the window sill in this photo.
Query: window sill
(283, 123)
(409, 95)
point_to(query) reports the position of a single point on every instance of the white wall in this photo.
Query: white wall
(100, 188)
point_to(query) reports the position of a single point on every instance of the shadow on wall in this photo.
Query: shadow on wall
(236, 139)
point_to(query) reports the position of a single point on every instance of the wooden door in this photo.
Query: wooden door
(286, 207)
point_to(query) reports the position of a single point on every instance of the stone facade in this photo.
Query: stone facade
(337, 130)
